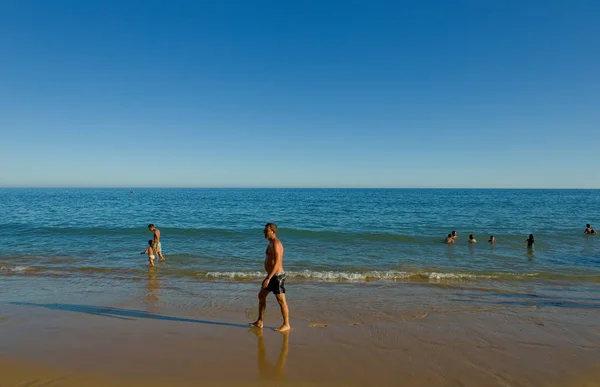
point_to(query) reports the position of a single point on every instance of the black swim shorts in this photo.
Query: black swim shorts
(277, 284)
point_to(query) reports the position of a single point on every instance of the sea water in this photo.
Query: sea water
(328, 234)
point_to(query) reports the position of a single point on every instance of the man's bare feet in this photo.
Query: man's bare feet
(283, 328)
(257, 324)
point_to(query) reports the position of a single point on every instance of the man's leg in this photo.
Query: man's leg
(262, 305)
(284, 313)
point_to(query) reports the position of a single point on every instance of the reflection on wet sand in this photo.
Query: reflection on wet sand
(266, 370)
(152, 286)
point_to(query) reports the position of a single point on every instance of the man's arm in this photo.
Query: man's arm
(156, 236)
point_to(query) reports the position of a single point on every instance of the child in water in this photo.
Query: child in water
(492, 239)
(530, 241)
(472, 239)
(150, 251)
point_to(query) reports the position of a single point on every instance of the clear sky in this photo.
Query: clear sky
(480, 93)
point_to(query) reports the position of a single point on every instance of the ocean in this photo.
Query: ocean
(333, 235)
(374, 294)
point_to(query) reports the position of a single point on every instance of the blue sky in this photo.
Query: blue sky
(300, 94)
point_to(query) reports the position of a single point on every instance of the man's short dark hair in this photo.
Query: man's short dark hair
(587, 225)
(151, 225)
(272, 226)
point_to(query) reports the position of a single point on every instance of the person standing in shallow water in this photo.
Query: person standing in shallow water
(274, 281)
(156, 246)
(530, 241)
(589, 230)
(150, 252)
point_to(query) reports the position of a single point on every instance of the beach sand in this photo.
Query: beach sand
(367, 334)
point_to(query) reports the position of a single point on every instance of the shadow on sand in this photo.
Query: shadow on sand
(124, 314)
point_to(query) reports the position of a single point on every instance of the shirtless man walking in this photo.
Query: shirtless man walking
(156, 241)
(274, 282)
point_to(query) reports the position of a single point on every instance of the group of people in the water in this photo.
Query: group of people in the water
(451, 238)
(275, 279)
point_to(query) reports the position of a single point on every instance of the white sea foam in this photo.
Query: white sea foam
(14, 268)
(389, 275)
(235, 274)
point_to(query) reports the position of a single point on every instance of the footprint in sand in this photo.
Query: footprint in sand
(317, 325)
(355, 323)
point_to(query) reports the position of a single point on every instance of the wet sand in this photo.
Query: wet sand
(369, 334)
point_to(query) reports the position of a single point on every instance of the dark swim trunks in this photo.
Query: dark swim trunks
(277, 284)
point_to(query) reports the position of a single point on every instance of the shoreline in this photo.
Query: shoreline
(163, 332)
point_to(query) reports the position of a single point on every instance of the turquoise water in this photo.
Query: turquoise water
(329, 234)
